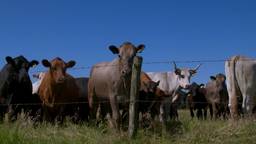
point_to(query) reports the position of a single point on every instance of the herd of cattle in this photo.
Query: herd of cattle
(105, 93)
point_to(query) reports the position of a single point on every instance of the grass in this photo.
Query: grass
(186, 131)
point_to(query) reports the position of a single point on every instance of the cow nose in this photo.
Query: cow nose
(187, 86)
(61, 79)
(123, 72)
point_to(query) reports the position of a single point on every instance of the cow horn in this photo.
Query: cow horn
(198, 66)
(175, 66)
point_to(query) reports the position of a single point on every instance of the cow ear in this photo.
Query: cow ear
(213, 78)
(70, 64)
(114, 49)
(33, 63)
(9, 60)
(157, 83)
(192, 72)
(201, 85)
(140, 48)
(145, 84)
(46, 63)
(177, 71)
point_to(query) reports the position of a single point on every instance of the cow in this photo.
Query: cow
(217, 96)
(241, 82)
(16, 87)
(148, 94)
(150, 98)
(36, 84)
(82, 83)
(109, 82)
(171, 84)
(197, 101)
(58, 91)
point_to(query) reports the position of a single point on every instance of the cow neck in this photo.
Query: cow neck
(125, 81)
(172, 83)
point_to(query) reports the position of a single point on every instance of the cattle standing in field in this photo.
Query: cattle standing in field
(110, 81)
(171, 83)
(197, 101)
(241, 84)
(217, 96)
(58, 90)
(16, 87)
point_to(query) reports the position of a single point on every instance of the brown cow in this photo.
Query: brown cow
(147, 96)
(57, 89)
(150, 98)
(217, 96)
(109, 82)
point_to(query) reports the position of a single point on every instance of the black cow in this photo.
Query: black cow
(16, 87)
(83, 107)
(197, 100)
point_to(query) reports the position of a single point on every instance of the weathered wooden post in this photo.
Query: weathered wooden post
(134, 93)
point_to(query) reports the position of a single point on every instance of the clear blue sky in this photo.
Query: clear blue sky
(82, 30)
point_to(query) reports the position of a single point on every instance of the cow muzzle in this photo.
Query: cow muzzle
(61, 80)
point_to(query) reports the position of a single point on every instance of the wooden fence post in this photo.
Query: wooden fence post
(134, 93)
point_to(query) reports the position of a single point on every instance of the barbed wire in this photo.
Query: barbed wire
(154, 62)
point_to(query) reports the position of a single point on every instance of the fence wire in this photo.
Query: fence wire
(147, 63)
(153, 62)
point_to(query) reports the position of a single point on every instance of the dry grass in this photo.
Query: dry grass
(183, 132)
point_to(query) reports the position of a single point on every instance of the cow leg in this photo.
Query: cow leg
(215, 111)
(199, 113)
(93, 102)
(191, 112)
(211, 110)
(205, 113)
(249, 105)
(115, 112)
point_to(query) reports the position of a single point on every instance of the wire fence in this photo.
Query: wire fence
(147, 63)
(156, 62)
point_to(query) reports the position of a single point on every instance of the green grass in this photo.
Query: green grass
(187, 131)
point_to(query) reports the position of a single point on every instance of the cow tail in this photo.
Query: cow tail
(237, 91)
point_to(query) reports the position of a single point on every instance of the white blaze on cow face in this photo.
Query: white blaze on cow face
(126, 53)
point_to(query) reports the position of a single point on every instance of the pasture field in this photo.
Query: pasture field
(187, 131)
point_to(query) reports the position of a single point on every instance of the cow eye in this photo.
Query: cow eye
(54, 68)
(119, 56)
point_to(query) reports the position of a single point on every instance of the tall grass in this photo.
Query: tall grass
(187, 131)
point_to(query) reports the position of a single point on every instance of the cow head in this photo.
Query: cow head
(23, 65)
(14, 77)
(57, 68)
(151, 86)
(126, 52)
(220, 80)
(194, 88)
(184, 75)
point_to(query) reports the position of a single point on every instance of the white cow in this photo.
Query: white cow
(171, 83)
(241, 83)
(36, 84)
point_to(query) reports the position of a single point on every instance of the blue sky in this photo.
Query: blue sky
(82, 30)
